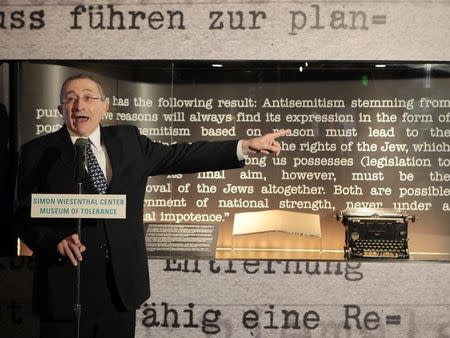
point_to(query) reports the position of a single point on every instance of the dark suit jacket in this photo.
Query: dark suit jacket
(46, 166)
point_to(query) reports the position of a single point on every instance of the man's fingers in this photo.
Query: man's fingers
(271, 149)
(270, 146)
(60, 249)
(77, 242)
(266, 148)
(265, 144)
(76, 252)
(69, 254)
(271, 140)
(280, 133)
(71, 248)
(75, 239)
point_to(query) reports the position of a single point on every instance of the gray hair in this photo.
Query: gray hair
(76, 77)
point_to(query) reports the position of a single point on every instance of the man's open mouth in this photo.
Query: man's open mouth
(81, 118)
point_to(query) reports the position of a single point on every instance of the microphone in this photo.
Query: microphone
(80, 159)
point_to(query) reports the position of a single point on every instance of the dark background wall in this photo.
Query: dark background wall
(231, 102)
(8, 240)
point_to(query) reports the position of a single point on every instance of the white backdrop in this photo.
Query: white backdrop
(251, 298)
(229, 30)
(332, 299)
(401, 299)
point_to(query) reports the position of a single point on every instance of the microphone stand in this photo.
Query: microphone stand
(77, 305)
(79, 173)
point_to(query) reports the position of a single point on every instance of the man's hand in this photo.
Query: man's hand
(266, 144)
(72, 248)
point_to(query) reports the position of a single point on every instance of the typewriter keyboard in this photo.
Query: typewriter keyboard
(380, 248)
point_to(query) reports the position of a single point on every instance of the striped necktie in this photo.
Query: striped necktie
(95, 172)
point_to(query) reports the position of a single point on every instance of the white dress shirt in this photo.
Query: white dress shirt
(99, 151)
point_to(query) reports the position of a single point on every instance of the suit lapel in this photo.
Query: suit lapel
(115, 150)
(66, 147)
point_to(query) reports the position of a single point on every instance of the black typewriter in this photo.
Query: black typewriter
(375, 233)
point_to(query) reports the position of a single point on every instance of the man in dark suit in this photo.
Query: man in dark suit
(114, 275)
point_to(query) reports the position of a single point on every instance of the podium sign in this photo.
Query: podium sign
(78, 206)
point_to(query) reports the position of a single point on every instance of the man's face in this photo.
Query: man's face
(82, 106)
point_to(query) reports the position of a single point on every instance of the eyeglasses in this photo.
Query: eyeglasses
(85, 98)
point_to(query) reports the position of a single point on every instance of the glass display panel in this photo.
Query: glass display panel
(363, 135)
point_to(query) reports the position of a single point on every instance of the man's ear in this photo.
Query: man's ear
(105, 106)
(60, 109)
